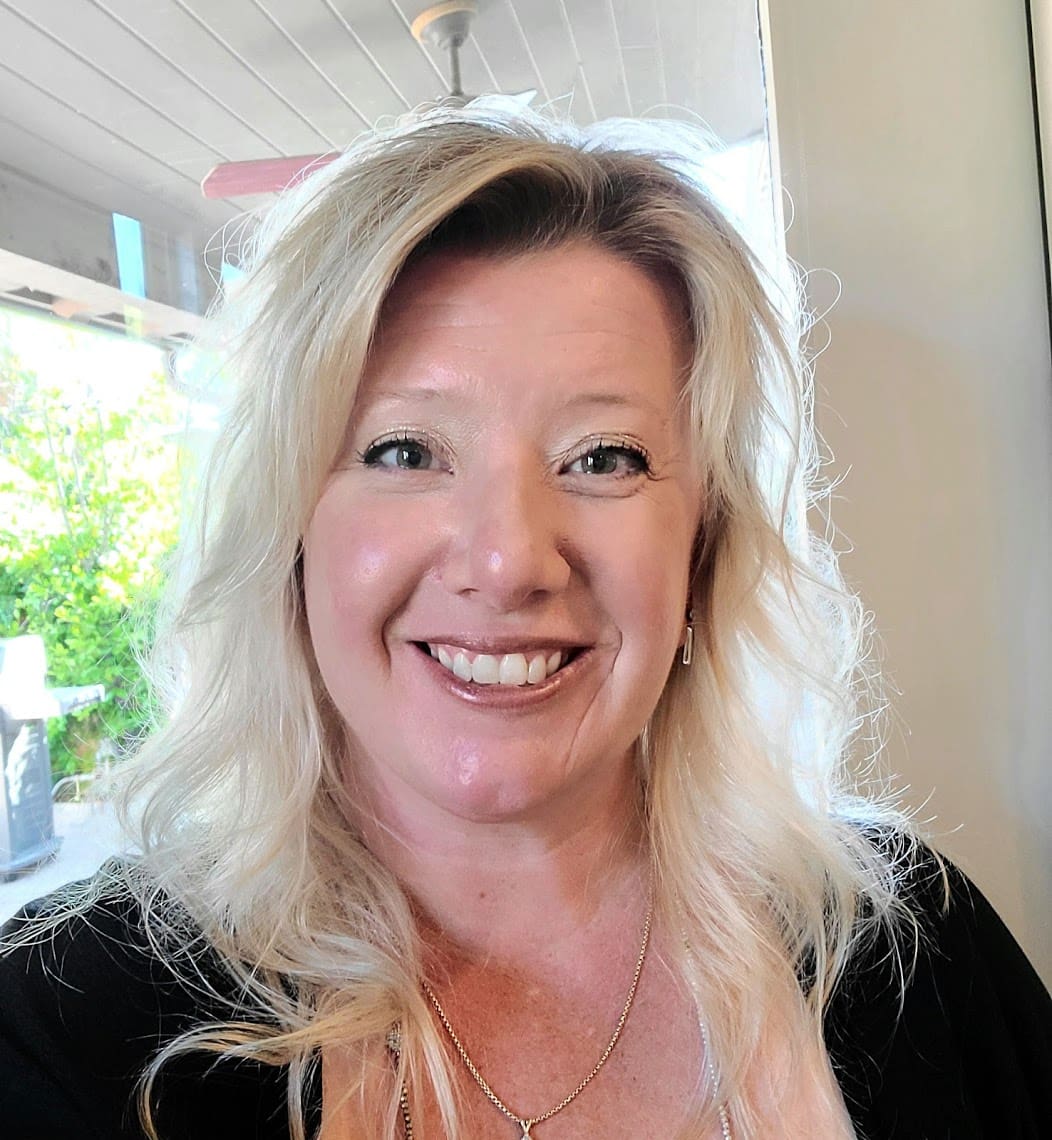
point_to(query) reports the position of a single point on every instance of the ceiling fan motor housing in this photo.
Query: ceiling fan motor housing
(445, 25)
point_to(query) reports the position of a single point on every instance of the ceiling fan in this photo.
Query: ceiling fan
(444, 26)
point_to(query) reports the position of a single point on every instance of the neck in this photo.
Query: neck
(505, 891)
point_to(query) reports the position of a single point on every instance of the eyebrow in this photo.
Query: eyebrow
(405, 396)
(428, 394)
(611, 400)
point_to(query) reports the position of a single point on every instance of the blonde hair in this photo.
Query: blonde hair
(762, 852)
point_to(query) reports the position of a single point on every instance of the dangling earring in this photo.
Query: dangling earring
(688, 640)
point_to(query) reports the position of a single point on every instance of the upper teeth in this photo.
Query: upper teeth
(492, 669)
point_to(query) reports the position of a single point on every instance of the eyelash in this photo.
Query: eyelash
(371, 455)
(634, 452)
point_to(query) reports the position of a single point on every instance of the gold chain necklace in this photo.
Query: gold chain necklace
(394, 1044)
(526, 1122)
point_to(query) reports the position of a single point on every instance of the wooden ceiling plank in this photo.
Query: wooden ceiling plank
(100, 39)
(182, 38)
(101, 186)
(643, 69)
(28, 52)
(580, 80)
(334, 109)
(360, 86)
(596, 36)
(638, 28)
(527, 47)
(96, 144)
(206, 111)
(712, 61)
(78, 81)
(662, 69)
(248, 32)
(499, 60)
(680, 36)
(636, 22)
(620, 54)
(552, 49)
(369, 54)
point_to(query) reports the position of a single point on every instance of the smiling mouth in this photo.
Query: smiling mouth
(512, 670)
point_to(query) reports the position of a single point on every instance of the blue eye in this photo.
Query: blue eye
(618, 460)
(407, 454)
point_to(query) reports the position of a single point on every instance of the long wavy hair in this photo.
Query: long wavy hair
(762, 849)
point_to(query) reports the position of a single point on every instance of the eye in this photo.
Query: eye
(619, 460)
(404, 452)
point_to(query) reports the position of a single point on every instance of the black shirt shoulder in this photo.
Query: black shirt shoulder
(85, 1005)
(948, 1034)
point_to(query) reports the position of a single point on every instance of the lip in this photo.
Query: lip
(498, 646)
(505, 696)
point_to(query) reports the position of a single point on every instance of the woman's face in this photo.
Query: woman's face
(496, 573)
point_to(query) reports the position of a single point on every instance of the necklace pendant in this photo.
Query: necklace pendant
(525, 1125)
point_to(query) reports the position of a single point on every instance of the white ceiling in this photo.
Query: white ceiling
(124, 105)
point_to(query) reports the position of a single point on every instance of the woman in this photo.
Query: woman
(502, 791)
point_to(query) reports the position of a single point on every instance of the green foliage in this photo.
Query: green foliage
(89, 499)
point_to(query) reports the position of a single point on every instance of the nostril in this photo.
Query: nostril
(505, 553)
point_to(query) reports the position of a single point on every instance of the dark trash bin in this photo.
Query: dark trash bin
(27, 822)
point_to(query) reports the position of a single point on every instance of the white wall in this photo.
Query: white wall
(907, 146)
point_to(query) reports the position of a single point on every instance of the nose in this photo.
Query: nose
(509, 548)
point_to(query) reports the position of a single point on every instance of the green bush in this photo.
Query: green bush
(89, 501)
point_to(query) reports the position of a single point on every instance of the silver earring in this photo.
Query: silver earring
(688, 640)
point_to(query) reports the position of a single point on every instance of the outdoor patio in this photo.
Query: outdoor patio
(89, 834)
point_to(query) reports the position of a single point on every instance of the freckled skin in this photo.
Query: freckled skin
(509, 370)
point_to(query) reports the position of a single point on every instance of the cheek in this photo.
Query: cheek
(348, 566)
(358, 569)
(648, 570)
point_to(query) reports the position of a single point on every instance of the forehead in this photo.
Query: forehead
(573, 308)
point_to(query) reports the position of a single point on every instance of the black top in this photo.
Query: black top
(970, 1055)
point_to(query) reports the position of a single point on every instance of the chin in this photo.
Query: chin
(481, 788)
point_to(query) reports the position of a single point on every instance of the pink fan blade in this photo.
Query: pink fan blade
(260, 175)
